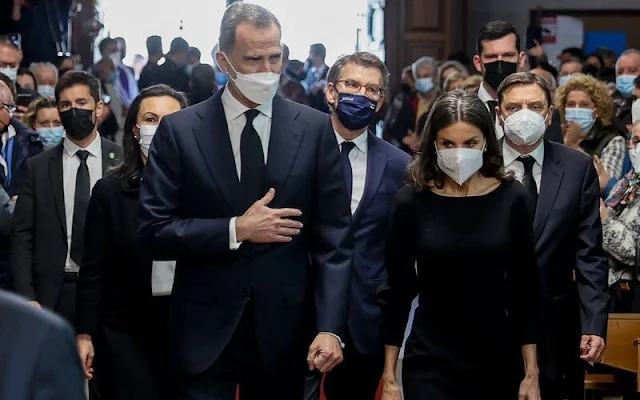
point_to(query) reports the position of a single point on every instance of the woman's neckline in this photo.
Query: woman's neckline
(494, 190)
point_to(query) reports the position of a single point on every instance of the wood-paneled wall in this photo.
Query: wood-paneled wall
(415, 28)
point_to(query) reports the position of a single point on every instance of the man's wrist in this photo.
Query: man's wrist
(240, 229)
(334, 336)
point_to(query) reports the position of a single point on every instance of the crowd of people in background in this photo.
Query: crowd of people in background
(569, 134)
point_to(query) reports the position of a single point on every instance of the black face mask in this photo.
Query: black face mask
(497, 71)
(77, 122)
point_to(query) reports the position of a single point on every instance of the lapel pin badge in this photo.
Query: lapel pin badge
(112, 155)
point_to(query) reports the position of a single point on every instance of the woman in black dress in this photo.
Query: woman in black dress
(466, 225)
(119, 318)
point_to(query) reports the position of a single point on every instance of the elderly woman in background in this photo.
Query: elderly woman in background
(586, 110)
(448, 68)
(620, 215)
(472, 83)
(453, 81)
(425, 71)
(43, 117)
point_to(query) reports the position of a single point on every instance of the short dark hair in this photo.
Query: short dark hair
(178, 45)
(27, 71)
(318, 49)
(154, 44)
(106, 42)
(131, 169)
(575, 52)
(451, 108)
(79, 78)
(361, 58)
(285, 52)
(195, 52)
(495, 30)
(523, 78)
(238, 13)
(9, 83)
(203, 79)
(598, 56)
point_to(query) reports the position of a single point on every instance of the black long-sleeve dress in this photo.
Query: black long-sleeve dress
(477, 284)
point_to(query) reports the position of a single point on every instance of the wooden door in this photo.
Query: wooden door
(415, 28)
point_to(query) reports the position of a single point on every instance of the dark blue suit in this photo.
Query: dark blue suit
(568, 235)
(39, 356)
(189, 194)
(358, 377)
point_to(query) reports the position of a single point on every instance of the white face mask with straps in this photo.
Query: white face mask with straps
(524, 127)
(259, 88)
(459, 163)
(146, 136)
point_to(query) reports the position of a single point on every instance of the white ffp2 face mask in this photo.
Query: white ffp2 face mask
(459, 163)
(635, 111)
(524, 127)
(147, 132)
(260, 87)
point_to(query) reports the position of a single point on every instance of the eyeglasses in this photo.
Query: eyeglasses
(9, 107)
(354, 87)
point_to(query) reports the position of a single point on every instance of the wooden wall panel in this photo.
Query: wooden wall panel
(415, 28)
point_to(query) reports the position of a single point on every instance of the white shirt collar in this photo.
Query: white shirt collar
(94, 148)
(233, 108)
(484, 95)
(360, 142)
(509, 154)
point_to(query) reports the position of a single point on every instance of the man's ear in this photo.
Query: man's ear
(331, 94)
(477, 63)
(99, 109)
(380, 103)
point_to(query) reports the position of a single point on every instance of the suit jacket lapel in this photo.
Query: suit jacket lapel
(376, 164)
(550, 182)
(212, 136)
(109, 157)
(57, 183)
(284, 141)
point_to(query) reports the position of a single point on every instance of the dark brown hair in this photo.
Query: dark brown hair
(361, 58)
(524, 78)
(451, 108)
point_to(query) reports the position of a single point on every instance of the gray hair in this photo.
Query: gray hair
(241, 12)
(362, 58)
(36, 65)
(451, 64)
(627, 52)
(424, 62)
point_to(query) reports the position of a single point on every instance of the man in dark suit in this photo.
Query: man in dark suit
(245, 191)
(39, 356)
(564, 192)
(374, 171)
(48, 221)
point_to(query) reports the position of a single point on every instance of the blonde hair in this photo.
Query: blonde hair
(29, 117)
(474, 81)
(454, 77)
(594, 88)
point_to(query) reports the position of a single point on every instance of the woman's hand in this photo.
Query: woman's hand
(390, 390)
(604, 211)
(529, 388)
(85, 348)
(572, 134)
(603, 176)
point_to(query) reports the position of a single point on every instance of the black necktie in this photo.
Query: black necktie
(492, 108)
(528, 182)
(252, 167)
(80, 205)
(345, 148)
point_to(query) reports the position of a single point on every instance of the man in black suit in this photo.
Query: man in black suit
(564, 192)
(39, 356)
(245, 191)
(48, 221)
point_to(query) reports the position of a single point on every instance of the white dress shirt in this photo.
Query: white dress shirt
(511, 162)
(70, 164)
(236, 120)
(11, 132)
(162, 274)
(358, 160)
(486, 97)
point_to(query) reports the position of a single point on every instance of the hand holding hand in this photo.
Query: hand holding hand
(85, 349)
(591, 348)
(261, 224)
(325, 353)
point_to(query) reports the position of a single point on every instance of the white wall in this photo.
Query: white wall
(517, 12)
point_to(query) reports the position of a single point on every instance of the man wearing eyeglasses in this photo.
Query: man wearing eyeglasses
(373, 172)
(18, 144)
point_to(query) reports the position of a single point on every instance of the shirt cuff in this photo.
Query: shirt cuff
(335, 336)
(233, 242)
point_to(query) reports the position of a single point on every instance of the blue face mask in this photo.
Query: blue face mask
(221, 78)
(424, 85)
(564, 79)
(50, 136)
(581, 116)
(46, 90)
(624, 84)
(355, 111)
